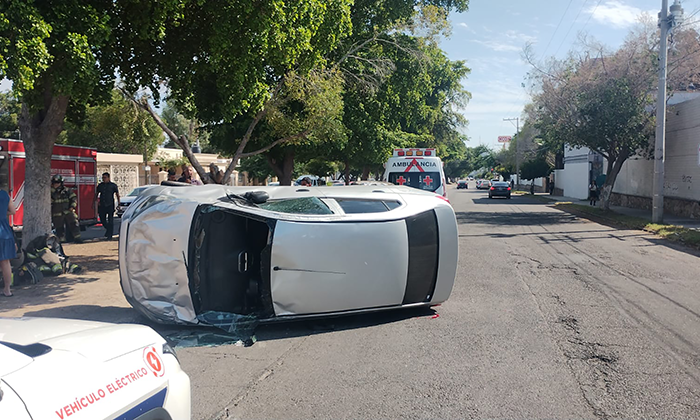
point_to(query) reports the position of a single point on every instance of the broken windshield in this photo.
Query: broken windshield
(304, 205)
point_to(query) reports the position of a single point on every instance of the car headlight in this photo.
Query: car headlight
(169, 350)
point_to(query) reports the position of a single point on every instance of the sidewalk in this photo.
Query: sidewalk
(640, 213)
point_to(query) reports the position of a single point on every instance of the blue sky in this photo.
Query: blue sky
(490, 37)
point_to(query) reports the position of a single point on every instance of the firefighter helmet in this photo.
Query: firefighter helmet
(57, 178)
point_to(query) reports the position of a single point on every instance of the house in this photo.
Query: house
(634, 184)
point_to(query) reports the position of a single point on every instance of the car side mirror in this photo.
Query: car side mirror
(256, 197)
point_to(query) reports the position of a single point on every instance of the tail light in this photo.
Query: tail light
(443, 198)
(492, 188)
(508, 188)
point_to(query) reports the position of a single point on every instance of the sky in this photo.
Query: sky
(491, 36)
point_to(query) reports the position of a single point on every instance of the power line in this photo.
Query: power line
(592, 13)
(571, 27)
(557, 28)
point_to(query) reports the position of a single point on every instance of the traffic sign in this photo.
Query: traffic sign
(504, 139)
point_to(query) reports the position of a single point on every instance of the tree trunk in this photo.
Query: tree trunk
(614, 167)
(39, 132)
(347, 173)
(283, 169)
(287, 168)
(365, 173)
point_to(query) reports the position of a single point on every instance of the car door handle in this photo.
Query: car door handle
(243, 262)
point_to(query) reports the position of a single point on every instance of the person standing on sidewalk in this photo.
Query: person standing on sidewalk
(105, 192)
(63, 204)
(8, 250)
(593, 193)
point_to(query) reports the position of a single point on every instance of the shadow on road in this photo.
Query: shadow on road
(515, 219)
(48, 291)
(289, 329)
(113, 314)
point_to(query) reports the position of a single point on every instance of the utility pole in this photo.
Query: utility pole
(517, 147)
(666, 24)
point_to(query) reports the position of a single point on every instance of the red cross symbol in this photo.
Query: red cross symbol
(428, 180)
(401, 180)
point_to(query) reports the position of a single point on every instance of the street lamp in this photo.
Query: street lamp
(666, 23)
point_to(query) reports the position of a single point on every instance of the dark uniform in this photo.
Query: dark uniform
(106, 191)
(64, 203)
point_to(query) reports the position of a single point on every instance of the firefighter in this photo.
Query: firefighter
(63, 205)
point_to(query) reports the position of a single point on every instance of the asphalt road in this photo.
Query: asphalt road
(551, 316)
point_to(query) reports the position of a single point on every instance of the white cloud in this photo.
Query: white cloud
(465, 26)
(519, 36)
(616, 14)
(498, 46)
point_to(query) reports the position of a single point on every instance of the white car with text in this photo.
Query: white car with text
(67, 369)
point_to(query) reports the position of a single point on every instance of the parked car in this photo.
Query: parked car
(125, 201)
(271, 252)
(483, 184)
(61, 369)
(499, 189)
(462, 184)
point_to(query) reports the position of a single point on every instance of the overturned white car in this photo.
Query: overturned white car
(285, 252)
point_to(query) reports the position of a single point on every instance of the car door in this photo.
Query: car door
(334, 266)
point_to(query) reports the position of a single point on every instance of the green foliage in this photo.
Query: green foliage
(189, 127)
(312, 105)
(223, 58)
(119, 127)
(257, 167)
(9, 111)
(166, 162)
(536, 167)
(415, 106)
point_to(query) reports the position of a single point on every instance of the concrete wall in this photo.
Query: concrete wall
(573, 179)
(682, 168)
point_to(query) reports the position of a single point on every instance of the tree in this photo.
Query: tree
(117, 127)
(227, 60)
(535, 167)
(60, 57)
(192, 129)
(600, 100)
(304, 120)
(10, 109)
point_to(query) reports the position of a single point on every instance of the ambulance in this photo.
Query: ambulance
(417, 168)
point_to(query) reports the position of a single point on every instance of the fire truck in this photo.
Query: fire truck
(77, 165)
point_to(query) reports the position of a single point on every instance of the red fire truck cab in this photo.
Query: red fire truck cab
(77, 165)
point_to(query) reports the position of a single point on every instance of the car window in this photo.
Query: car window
(136, 191)
(304, 205)
(429, 181)
(350, 206)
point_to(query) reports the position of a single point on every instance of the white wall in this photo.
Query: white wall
(682, 167)
(573, 179)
